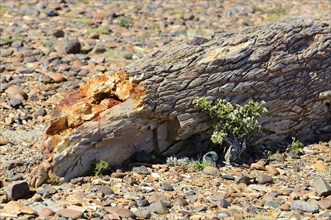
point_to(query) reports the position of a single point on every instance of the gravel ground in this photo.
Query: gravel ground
(48, 48)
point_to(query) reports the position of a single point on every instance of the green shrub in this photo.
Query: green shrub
(126, 21)
(9, 40)
(97, 30)
(198, 165)
(296, 146)
(233, 124)
(79, 20)
(101, 168)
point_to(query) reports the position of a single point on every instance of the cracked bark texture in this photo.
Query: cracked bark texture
(286, 63)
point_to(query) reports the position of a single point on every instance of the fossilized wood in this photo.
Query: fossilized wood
(148, 106)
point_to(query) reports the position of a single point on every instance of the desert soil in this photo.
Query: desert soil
(48, 48)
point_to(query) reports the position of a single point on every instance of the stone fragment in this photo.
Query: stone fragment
(225, 203)
(324, 203)
(14, 208)
(322, 187)
(17, 44)
(259, 188)
(128, 56)
(58, 33)
(38, 176)
(45, 213)
(119, 175)
(228, 177)
(46, 190)
(18, 190)
(157, 197)
(3, 87)
(72, 213)
(258, 166)
(51, 12)
(284, 207)
(13, 176)
(210, 170)
(244, 179)
(94, 35)
(167, 187)
(30, 59)
(16, 92)
(304, 206)
(16, 101)
(142, 170)
(180, 201)
(6, 52)
(142, 214)
(26, 70)
(223, 214)
(40, 112)
(98, 49)
(264, 178)
(3, 140)
(56, 77)
(72, 46)
(142, 203)
(121, 212)
(105, 190)
(272, 170)
(159, 207)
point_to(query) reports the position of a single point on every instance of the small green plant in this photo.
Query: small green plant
(234, 124)
(296, 146)
(3, 9)
(9, 40)
(126, 21)
(97, 30)
(271, 157)
(100, 168)
(271, 14)
(85, 1)
(198, 165)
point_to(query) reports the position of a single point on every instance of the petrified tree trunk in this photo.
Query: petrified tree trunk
(148, 106)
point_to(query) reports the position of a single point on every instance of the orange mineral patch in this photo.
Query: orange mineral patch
(97, 95)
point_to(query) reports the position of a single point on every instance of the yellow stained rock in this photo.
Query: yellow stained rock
(319, 166)
(272, 170)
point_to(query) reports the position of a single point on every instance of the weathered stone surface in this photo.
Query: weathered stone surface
(322, 187)
(142, 214)
(211, 171)
(304, 206)
(167, 187)
(72, 46)
(46, 213)
(149, 105)
(180, 201)
(264, 178)
(18, 190)
(325, 203)
(3, 140)
(272, 170)
(73, 212)
(159, 208)
(121, 212)
(14, 208)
